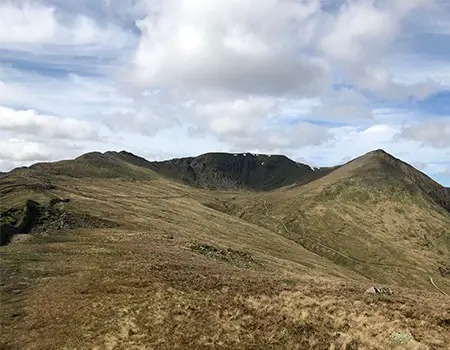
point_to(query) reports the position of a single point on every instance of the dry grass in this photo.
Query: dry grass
(142, 286)
(391, 236)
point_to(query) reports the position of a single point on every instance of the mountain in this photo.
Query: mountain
(249, 171)
(221, 171)
(110, 250)
(99, 165)
(375, 214)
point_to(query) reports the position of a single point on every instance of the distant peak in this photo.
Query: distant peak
(126, 153)
(378, 152)
(90, 155)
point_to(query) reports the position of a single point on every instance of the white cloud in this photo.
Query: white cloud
(282, 48)
(28, 24)
(360, 38)
(350, 142)
(359, 26)
(15, 152)
(301, 135)
(32, 123)
(145, 121)
(23, 151)
(241, 117)
(75, 96)
(255, 123)
(435, 133)
(344, 105)
(222, 75)
(252, 46)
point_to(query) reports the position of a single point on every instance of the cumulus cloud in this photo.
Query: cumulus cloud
(301, 135)
(32, 123)
(251, 75)
(344, 105)
(15, 152)
(243, 46)
(19, 150)
(237, 117)
(254, 123)
(144, 121)
(434, 133)
(273, 47)
(26, 24)
(359, 39)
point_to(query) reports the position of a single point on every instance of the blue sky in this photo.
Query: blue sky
(320, 81)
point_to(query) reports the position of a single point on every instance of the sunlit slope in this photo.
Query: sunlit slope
(376, 215)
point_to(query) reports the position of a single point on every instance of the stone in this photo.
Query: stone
(379, 290)
(371, 290)
(402, 338)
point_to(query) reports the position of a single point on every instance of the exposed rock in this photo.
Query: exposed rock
(54, 217)
(444, 270)
(379, 290)
(371, 290)
(55, 201)
(36, 218)
(238, 171)
(235, 257)
(445, 322)
(6, 233)
(30, 214)
(402, 338)
(352, 345)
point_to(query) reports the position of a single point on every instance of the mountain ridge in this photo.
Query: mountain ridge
(239, 171)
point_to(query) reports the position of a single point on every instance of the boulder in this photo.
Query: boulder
(402, 338)
(379, 290)
(371, 290)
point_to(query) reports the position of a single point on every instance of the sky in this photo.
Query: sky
(321, 81)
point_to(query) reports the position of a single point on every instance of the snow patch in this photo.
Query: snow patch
(262, 163)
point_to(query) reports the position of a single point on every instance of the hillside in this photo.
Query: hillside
(124, 254)
(376, 215)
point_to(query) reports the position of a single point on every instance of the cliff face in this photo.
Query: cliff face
(245, 171)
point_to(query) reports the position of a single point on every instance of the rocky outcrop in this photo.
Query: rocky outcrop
(6, 233)
(53, 216)
(29, 217)
(258, 172)
(379, 290)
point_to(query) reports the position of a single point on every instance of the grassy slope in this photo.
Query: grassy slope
(142, 286)
(368, 215)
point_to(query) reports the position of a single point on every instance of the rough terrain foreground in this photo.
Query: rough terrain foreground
(110, 251)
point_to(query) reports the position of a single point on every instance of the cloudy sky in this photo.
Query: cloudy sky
(321, 81)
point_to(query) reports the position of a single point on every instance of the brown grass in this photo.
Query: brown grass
(142, 286)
